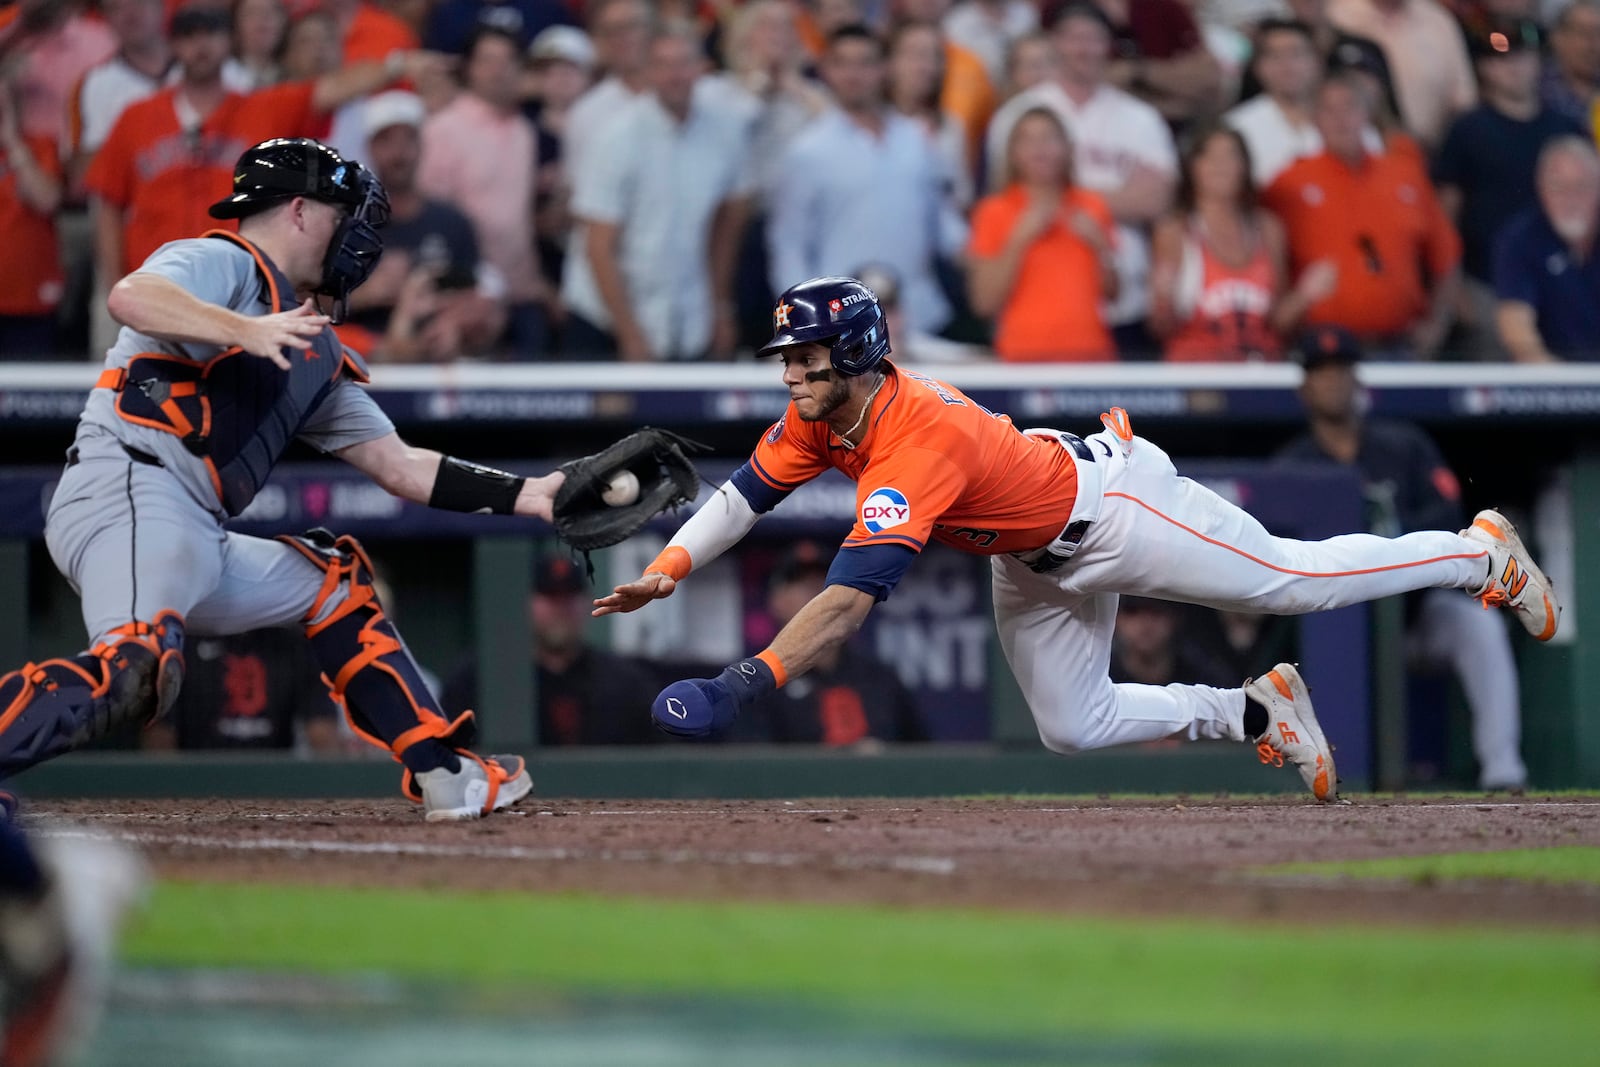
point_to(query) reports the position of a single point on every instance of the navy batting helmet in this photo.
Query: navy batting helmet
(841, 313)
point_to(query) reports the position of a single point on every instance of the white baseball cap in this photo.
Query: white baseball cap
(393, 108)
(563, 42)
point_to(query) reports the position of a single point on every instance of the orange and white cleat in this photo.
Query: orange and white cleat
(483, 785)
(1293, 733)
(1515, 582)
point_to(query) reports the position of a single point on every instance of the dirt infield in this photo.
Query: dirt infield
(1146, 858)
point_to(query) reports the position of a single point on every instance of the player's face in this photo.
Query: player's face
(1330, 391)
(558, 620)
(318, 222)
(1145, 629)
(1287, 65)
(816, 390)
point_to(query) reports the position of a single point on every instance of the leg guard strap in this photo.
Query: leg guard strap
(56, 705)
(368, 670)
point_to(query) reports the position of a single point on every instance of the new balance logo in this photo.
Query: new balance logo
(1289, 736)
(1513, 579)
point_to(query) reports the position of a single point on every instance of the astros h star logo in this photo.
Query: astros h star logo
(780, 315)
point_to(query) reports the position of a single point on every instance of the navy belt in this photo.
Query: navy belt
(138, 455)
(1055, 555)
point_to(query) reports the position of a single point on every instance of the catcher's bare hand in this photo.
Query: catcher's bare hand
(635, 595)
(268, 335)
(538, 495)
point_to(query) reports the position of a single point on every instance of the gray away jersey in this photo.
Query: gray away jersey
(218, 272)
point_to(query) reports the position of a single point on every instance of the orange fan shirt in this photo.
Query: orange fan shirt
(933, 465)
(1053, 312)
(374, 33)
(30, 272)
(967, 94)
(163, 178)
(1380, 224)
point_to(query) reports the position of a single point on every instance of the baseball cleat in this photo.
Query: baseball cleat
(1293, 733)
(484, 784)
(1515, 581)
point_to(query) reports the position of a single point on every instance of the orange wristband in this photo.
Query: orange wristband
(770, 658)
(673, 561)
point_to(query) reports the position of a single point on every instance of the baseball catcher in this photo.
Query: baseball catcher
(1069, 523)
(225, 356)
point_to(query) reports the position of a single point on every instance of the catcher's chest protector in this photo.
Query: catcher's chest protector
(237, 412)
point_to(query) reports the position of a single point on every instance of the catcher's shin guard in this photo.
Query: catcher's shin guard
(366, 665)
(55, 706)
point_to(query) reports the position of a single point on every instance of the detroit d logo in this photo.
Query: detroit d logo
(885, 508)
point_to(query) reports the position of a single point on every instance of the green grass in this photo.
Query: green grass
(1330, 995)
(1569, 865)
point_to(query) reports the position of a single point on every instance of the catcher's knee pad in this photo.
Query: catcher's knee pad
(367, 667)
(57, 705)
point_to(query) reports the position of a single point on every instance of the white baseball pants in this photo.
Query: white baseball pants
(1159, 535)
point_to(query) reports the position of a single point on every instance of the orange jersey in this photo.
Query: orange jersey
(933, 464)
(163, 178)
(30, 275)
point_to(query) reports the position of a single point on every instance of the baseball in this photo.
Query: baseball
(622, 488)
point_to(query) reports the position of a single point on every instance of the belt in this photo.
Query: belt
(1054, 556)
(138, 455)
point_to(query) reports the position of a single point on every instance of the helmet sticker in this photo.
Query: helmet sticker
(780, 315)
(885, 508)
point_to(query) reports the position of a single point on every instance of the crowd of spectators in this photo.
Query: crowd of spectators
(1043, 180)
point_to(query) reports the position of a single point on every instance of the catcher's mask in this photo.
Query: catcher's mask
(841, 313)
(278, 170)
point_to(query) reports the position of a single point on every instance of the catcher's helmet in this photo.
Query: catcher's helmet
(841, 313)
(285, 167)
(278, 170)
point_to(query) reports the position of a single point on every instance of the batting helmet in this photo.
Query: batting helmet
(841, 313)
(278, 170)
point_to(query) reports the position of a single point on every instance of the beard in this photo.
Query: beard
(832, 401)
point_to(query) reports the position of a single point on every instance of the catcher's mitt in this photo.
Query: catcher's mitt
(666, 480)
